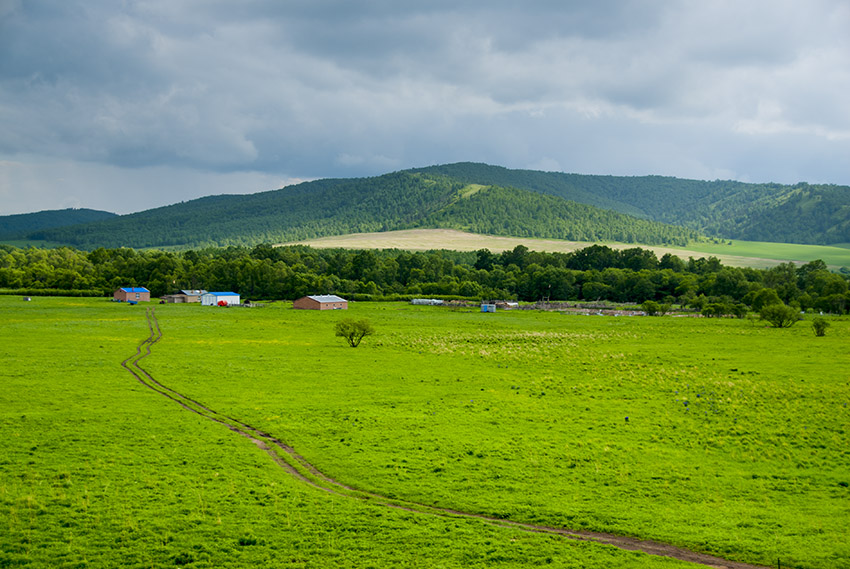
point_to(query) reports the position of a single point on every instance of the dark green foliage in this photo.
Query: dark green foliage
(511, 202)
(521, 213)
(819, 325)
(12, 226)
(801, 213)
(353, 330)
(653, 308)
(266, 272)
(402, 200)
(780, 315)
(764, 297)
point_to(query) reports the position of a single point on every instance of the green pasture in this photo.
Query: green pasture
(835, 256)
(717, 435)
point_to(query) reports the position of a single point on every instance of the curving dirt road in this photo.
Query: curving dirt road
(286, 457)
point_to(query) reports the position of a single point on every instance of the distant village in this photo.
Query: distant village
(136, 294)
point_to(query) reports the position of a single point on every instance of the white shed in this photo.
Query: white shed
(216, 298)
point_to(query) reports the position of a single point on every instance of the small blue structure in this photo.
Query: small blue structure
(485, 307)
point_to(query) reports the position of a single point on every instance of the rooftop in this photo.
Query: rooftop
(327, 298)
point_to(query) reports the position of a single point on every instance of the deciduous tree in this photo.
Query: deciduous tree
(354, 330)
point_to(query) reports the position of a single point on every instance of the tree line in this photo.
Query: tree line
(595, 273)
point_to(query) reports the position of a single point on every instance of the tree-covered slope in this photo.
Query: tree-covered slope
(401, 200)
(526, 203)
(507, 211)
(20, 224)
(802, 213)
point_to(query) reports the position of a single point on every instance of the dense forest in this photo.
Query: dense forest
(264, 272)
(401, 200)
(19, 225)
(801, 213)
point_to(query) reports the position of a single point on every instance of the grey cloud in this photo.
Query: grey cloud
(312, 89)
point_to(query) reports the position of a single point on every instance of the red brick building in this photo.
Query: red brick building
(321, 302)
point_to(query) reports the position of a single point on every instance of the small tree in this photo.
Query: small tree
(819, 325)
(354, 330)
(779, 315)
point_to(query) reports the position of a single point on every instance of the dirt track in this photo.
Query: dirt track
(286, 457)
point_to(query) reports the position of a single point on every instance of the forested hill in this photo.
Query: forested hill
(802, 213)
(401, 200)
(12, 226)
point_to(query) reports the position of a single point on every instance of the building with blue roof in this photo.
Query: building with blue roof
(132, 294)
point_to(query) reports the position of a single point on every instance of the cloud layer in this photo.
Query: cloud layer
(182, 99)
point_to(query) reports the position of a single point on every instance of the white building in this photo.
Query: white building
(216, 298)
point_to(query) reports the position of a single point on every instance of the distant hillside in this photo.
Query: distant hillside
(402, 200)
(486, 199)
(803, 213)
(13, 226)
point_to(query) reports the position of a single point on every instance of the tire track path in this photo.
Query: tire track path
(287, 458)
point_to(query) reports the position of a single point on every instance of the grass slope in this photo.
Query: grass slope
(738, 254)
(736, 439)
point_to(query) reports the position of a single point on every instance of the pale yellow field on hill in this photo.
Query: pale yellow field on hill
(426, 239)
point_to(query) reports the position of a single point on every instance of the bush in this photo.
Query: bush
(651, 307)
(819, 325)
(779, 315)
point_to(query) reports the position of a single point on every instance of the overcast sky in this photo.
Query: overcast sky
(128, 105)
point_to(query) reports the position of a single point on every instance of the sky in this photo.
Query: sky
(126, 105)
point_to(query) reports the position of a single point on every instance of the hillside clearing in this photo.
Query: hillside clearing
(750, 254)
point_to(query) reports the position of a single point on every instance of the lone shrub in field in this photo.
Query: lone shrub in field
(819, 325)
(354, 330)
(651, 307)
(779, 315)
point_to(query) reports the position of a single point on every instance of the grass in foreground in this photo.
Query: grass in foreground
(713, 434)
(97, 471)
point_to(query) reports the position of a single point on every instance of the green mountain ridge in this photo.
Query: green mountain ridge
(401, 200)
(801, 213)
(19, 225)
(649, 210)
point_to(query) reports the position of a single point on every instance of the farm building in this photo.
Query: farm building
(427, 301)
(184, 296)
(321, 302)
(217, 298)
(132, 294)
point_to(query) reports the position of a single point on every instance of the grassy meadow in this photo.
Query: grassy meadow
(717, 435)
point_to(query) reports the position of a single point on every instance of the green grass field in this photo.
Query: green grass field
(835, 256)
(716, 435)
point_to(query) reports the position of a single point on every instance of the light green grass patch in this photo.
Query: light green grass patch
(471, 189)
(835, 256)
(716, 435)
(98, 471)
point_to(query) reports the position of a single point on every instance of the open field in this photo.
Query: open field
(715, 435)
(739, 254)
